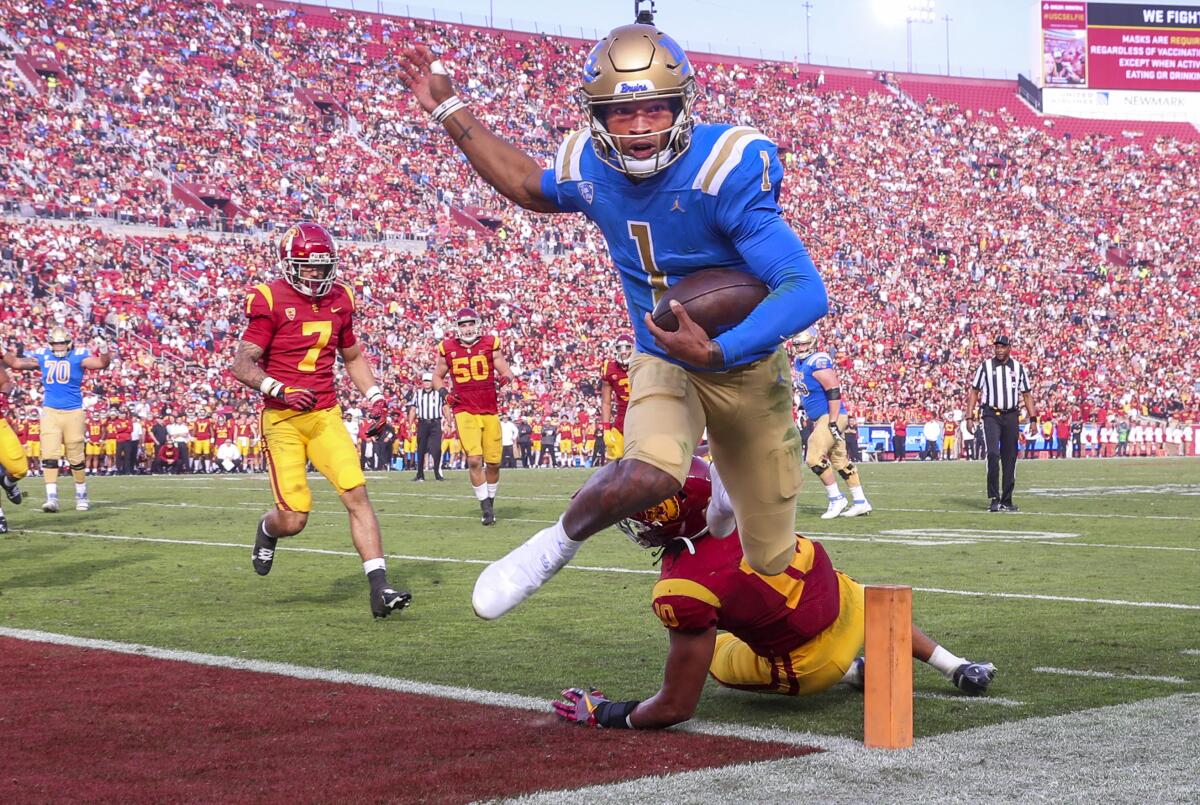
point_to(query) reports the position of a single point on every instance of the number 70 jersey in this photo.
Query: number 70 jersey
(299, 336)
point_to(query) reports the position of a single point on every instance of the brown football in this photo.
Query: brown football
(718, 299)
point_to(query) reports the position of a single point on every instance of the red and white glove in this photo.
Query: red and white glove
(298, 399)
(377, 417)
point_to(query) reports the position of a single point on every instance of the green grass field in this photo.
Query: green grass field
(165, 562)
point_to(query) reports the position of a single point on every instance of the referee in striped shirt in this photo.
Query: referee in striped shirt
(429, 403)
(999, 386)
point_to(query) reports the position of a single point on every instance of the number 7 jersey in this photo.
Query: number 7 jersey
(300, 337)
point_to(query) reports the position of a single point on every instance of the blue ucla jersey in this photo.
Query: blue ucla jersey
(714, 207)
(62, 378)
(812, 393)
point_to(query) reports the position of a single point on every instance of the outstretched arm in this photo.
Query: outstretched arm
(513, 173)
(100, 360)
(13, 362)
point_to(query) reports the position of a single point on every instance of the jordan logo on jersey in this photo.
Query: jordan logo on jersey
(677, 207)
(588, 191)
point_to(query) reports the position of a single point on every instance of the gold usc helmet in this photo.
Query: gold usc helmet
(634, 63)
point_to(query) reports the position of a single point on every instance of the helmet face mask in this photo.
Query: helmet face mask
(805, 342)
(624, 350)
(637, 63)
(60, 342)
(308, 259)
(467, 326)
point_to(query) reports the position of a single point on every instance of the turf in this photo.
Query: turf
(1137, 527)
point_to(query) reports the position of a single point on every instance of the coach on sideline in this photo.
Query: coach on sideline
(999, 379)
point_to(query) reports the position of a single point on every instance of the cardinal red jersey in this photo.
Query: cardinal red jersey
(33, 431)
(223, 433)
(772, 614)
(95, 432)
(202, 430)
(245, 431)
(473, 374)
(614, 375)
(121, 429)
(300, 337)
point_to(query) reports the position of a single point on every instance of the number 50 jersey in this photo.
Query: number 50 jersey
(300, 336)
(473, 374)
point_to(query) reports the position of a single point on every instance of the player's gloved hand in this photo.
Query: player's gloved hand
(298, 399)
(504, 381)
(377, 417)
(591, 708)
(836, 431)
(452, 399)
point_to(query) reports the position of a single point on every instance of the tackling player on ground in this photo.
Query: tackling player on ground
(62, 420)
(473, 361)
(821, 395)
(297, 325)
(794, 634)
(14, 464)
(672, 197)
(614, 385)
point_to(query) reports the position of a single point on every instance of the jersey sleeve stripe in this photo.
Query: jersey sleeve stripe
(686, 588)
(719, 155)
(737, 148)
(265, 290)
(566, 163)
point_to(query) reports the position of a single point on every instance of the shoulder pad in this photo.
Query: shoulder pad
(349, 295)
(442, 346)
(84, 351)
(566, 161)
(259, 292)
(495, 341)
(686, 588)
(725, 155)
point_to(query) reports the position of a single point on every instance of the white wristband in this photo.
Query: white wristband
(374, 393)
(270, 386)
(446, 108)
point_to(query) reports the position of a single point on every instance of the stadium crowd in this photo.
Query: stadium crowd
(936, 225)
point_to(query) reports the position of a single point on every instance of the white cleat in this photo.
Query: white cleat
(82, 504)
(50, 506)
(858, 510)
(836, 506)
(515, 576)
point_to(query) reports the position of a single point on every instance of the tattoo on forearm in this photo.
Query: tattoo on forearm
(465, 134)
(245, 364)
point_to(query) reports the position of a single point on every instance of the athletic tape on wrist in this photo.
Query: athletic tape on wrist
(374, 393)
(270, 386)
(437, 68)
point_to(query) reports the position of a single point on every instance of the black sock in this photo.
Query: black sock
(378, 579)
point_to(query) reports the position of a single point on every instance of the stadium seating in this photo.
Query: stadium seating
(940, 211)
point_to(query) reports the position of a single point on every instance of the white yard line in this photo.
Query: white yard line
(1173, 680)
(1192, 652)
(969, 700)
(462, 694)
(588, 568)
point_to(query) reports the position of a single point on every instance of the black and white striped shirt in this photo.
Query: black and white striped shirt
(428, 402)
(1001, 384)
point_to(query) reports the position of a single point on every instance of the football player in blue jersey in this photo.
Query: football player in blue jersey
(671, 197)
(62, 366)
(821, 395)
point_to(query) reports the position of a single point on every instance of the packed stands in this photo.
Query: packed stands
(940, 212)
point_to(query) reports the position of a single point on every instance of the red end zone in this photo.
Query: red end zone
(99, 725)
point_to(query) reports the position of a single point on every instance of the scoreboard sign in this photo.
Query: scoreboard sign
(1120, 46)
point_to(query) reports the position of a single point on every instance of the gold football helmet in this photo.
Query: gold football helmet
(805, 342)
(634, 63)
(60, 342)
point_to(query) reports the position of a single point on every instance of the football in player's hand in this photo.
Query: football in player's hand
(717, 299)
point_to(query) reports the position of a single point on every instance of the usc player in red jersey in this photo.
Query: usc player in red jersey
(297, 324)
(794, 634)
(614, 385)
(473, 361)
(14, 465)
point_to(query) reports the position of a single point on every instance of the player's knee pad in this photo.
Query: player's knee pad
(847, 470)
(50, 463)
(820, 467)
(78, 466)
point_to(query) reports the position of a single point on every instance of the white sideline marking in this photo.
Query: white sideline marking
(927, 694)
(1174, 680)
(1027, 512)
(511, 701)
(590, 568)
(322, 511)
(1192, 652)
(977, 533)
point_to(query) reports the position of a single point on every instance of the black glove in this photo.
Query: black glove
(836, 431)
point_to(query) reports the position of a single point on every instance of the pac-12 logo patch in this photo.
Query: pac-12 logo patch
(588, 191)
(291, 313)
